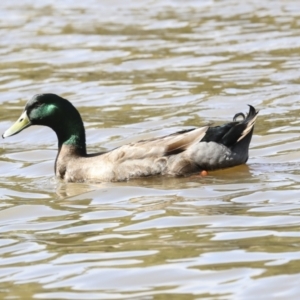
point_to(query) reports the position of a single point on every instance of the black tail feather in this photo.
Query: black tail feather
(231, 133)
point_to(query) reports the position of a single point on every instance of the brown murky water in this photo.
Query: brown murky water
(138, 69)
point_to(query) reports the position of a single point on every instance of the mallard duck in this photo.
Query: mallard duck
(179, 154)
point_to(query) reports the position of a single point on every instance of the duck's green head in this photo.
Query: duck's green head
(42, 109)
(55, 112)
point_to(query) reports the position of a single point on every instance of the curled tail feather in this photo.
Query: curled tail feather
(250, 121)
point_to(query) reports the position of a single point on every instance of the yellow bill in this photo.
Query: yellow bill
(22, 123)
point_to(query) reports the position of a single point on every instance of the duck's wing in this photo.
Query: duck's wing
(159, 147)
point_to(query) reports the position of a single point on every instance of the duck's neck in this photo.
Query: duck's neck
(70, 133)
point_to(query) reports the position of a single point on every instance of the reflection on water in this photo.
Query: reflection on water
(135, 70)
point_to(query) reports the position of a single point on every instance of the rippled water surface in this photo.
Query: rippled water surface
(139, 69)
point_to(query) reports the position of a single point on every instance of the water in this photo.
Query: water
(135, 70)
